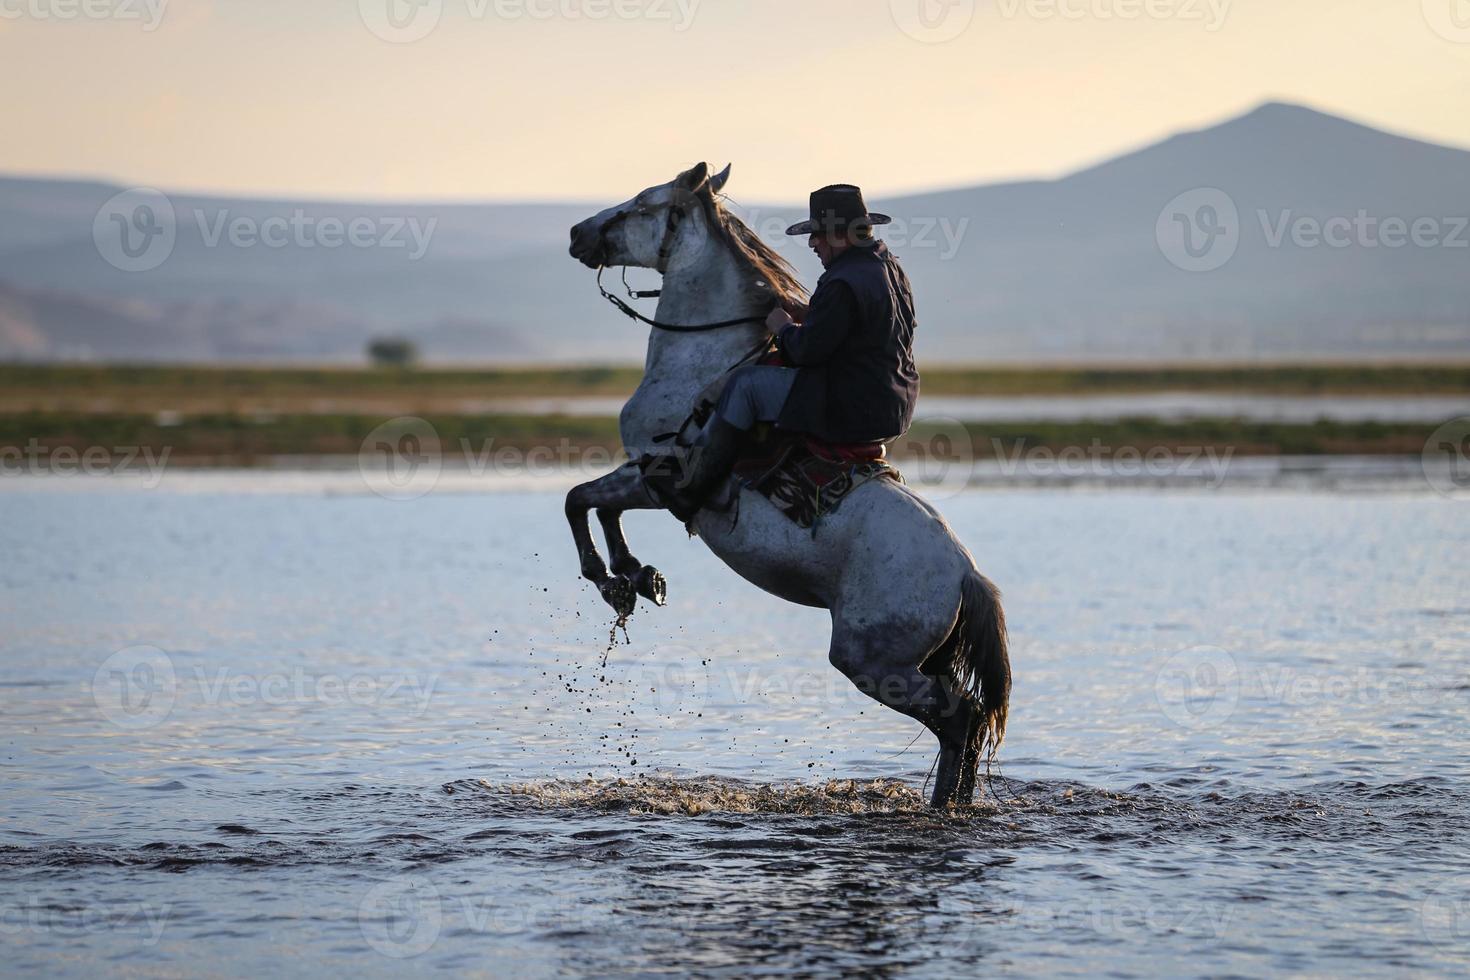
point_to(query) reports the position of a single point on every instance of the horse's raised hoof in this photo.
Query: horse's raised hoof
(652, 585)
(619, 593)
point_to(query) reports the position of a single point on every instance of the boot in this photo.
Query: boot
(681, 481)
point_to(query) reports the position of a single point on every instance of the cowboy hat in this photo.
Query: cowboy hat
(838, 208)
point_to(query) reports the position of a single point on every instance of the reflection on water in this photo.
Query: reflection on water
(345, 734)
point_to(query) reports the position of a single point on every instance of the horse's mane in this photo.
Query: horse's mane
(777, 274)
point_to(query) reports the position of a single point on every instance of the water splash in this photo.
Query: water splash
(695, 796)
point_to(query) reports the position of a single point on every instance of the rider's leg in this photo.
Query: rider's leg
(755, 393)
(682, 481)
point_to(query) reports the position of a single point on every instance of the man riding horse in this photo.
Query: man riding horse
(915, 625)
(846, 371)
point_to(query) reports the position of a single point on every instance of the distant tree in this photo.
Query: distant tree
(393, 352)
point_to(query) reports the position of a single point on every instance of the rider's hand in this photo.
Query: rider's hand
(778, 320)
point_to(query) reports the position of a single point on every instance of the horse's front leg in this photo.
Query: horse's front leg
(649, 581)
(620, 490)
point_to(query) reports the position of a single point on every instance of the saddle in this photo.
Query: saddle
(805, 477)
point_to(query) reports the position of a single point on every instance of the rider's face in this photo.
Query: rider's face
(826, 247)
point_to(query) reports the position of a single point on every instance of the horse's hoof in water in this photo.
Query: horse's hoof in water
(950, 785)
(969, 763)
(619, 593)
(652, 585)
(946, 781)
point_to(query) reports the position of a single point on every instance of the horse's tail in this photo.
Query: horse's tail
(982, 658)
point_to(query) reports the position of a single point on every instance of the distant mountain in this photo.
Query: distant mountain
(1200, 246)
(1076, 266)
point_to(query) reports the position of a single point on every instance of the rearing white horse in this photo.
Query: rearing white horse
(914, 624)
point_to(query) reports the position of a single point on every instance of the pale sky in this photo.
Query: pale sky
(595, 99)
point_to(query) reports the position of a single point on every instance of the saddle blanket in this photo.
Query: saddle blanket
(807, 480)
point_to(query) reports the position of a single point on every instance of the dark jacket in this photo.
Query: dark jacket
(855, 350)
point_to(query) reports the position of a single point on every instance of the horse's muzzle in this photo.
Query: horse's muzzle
(587, 246)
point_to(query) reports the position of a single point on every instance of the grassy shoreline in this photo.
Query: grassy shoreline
(248, 416)
(239, 441)
(121, 389)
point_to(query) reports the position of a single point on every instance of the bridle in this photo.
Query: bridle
(623, 305)
(677, 213)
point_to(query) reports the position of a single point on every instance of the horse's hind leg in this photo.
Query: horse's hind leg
(883, 661)
(649, 581)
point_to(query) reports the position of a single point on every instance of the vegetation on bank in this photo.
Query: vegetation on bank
(395, 391)
(228, 439)
(240, 416)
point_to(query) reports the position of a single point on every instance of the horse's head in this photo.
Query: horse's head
(646, 231)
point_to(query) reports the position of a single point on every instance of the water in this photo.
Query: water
(255, 725)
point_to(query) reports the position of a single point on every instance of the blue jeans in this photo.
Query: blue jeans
(755, 393)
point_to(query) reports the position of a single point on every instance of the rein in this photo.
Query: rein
(623, 305)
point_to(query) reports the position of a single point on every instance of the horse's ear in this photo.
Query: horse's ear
(717, 182)
(696, 175)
